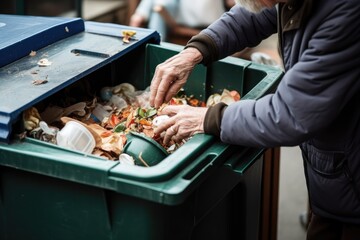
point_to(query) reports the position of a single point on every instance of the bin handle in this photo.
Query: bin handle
(207, 161)
(90, 53)
(201, 165)
(241, 161)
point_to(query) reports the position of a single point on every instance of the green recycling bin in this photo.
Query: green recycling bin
(204, 190)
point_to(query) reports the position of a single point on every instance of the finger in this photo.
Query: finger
(165, 125)
(180, 135)
(162, 90)
(160, 84)
(170, 133)
(170, 110)
(176, 138)
(173, 90)
(155, 85)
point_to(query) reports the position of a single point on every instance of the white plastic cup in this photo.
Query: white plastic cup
(76, 137)
(118, 102)
(99, 113)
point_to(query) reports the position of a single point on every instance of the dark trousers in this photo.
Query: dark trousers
(327, 229)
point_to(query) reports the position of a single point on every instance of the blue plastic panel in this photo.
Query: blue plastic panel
(22, 34)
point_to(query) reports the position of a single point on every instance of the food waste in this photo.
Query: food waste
(111, 116)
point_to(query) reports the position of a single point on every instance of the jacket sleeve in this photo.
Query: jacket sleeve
(234, 31)
(312, 93)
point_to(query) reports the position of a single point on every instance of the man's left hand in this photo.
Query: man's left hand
(184, 122)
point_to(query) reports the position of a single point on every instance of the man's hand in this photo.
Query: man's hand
(171, 75)
(184, 122)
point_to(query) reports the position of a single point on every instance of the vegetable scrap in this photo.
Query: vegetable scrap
(226, 96)
(127, 35)
(109, 118)
(39, 82)
(32, 53)
(44, 62)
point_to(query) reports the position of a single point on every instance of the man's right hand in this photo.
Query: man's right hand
(171, 75)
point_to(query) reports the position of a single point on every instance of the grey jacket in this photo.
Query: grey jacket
(317, 103)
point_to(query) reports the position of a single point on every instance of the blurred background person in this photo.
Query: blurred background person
(178, 20)
(145, 16)
(182, 18)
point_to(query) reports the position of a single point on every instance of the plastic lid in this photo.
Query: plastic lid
(22, 34)
(18, 92)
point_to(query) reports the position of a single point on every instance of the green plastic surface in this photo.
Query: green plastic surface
(145, 151)
(148, 183)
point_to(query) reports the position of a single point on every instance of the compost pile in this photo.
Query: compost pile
(111, 116)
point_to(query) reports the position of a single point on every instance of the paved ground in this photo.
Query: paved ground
(292, 195)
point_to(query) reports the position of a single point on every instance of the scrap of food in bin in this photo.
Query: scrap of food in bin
(114, 143)
(116, 118)
(227, 97)
(31, 118)
(39, 81)
(182, 98)
(124, 89)
(54, 113)
(235, 94)
(44, 62)
(21, 136)
(45, 133)
(32, 53)
(111, 142)
(126, 159)
(142, 160)
(127, 35)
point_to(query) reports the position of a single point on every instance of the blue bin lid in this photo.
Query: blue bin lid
(56, 39)
(22, 34)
